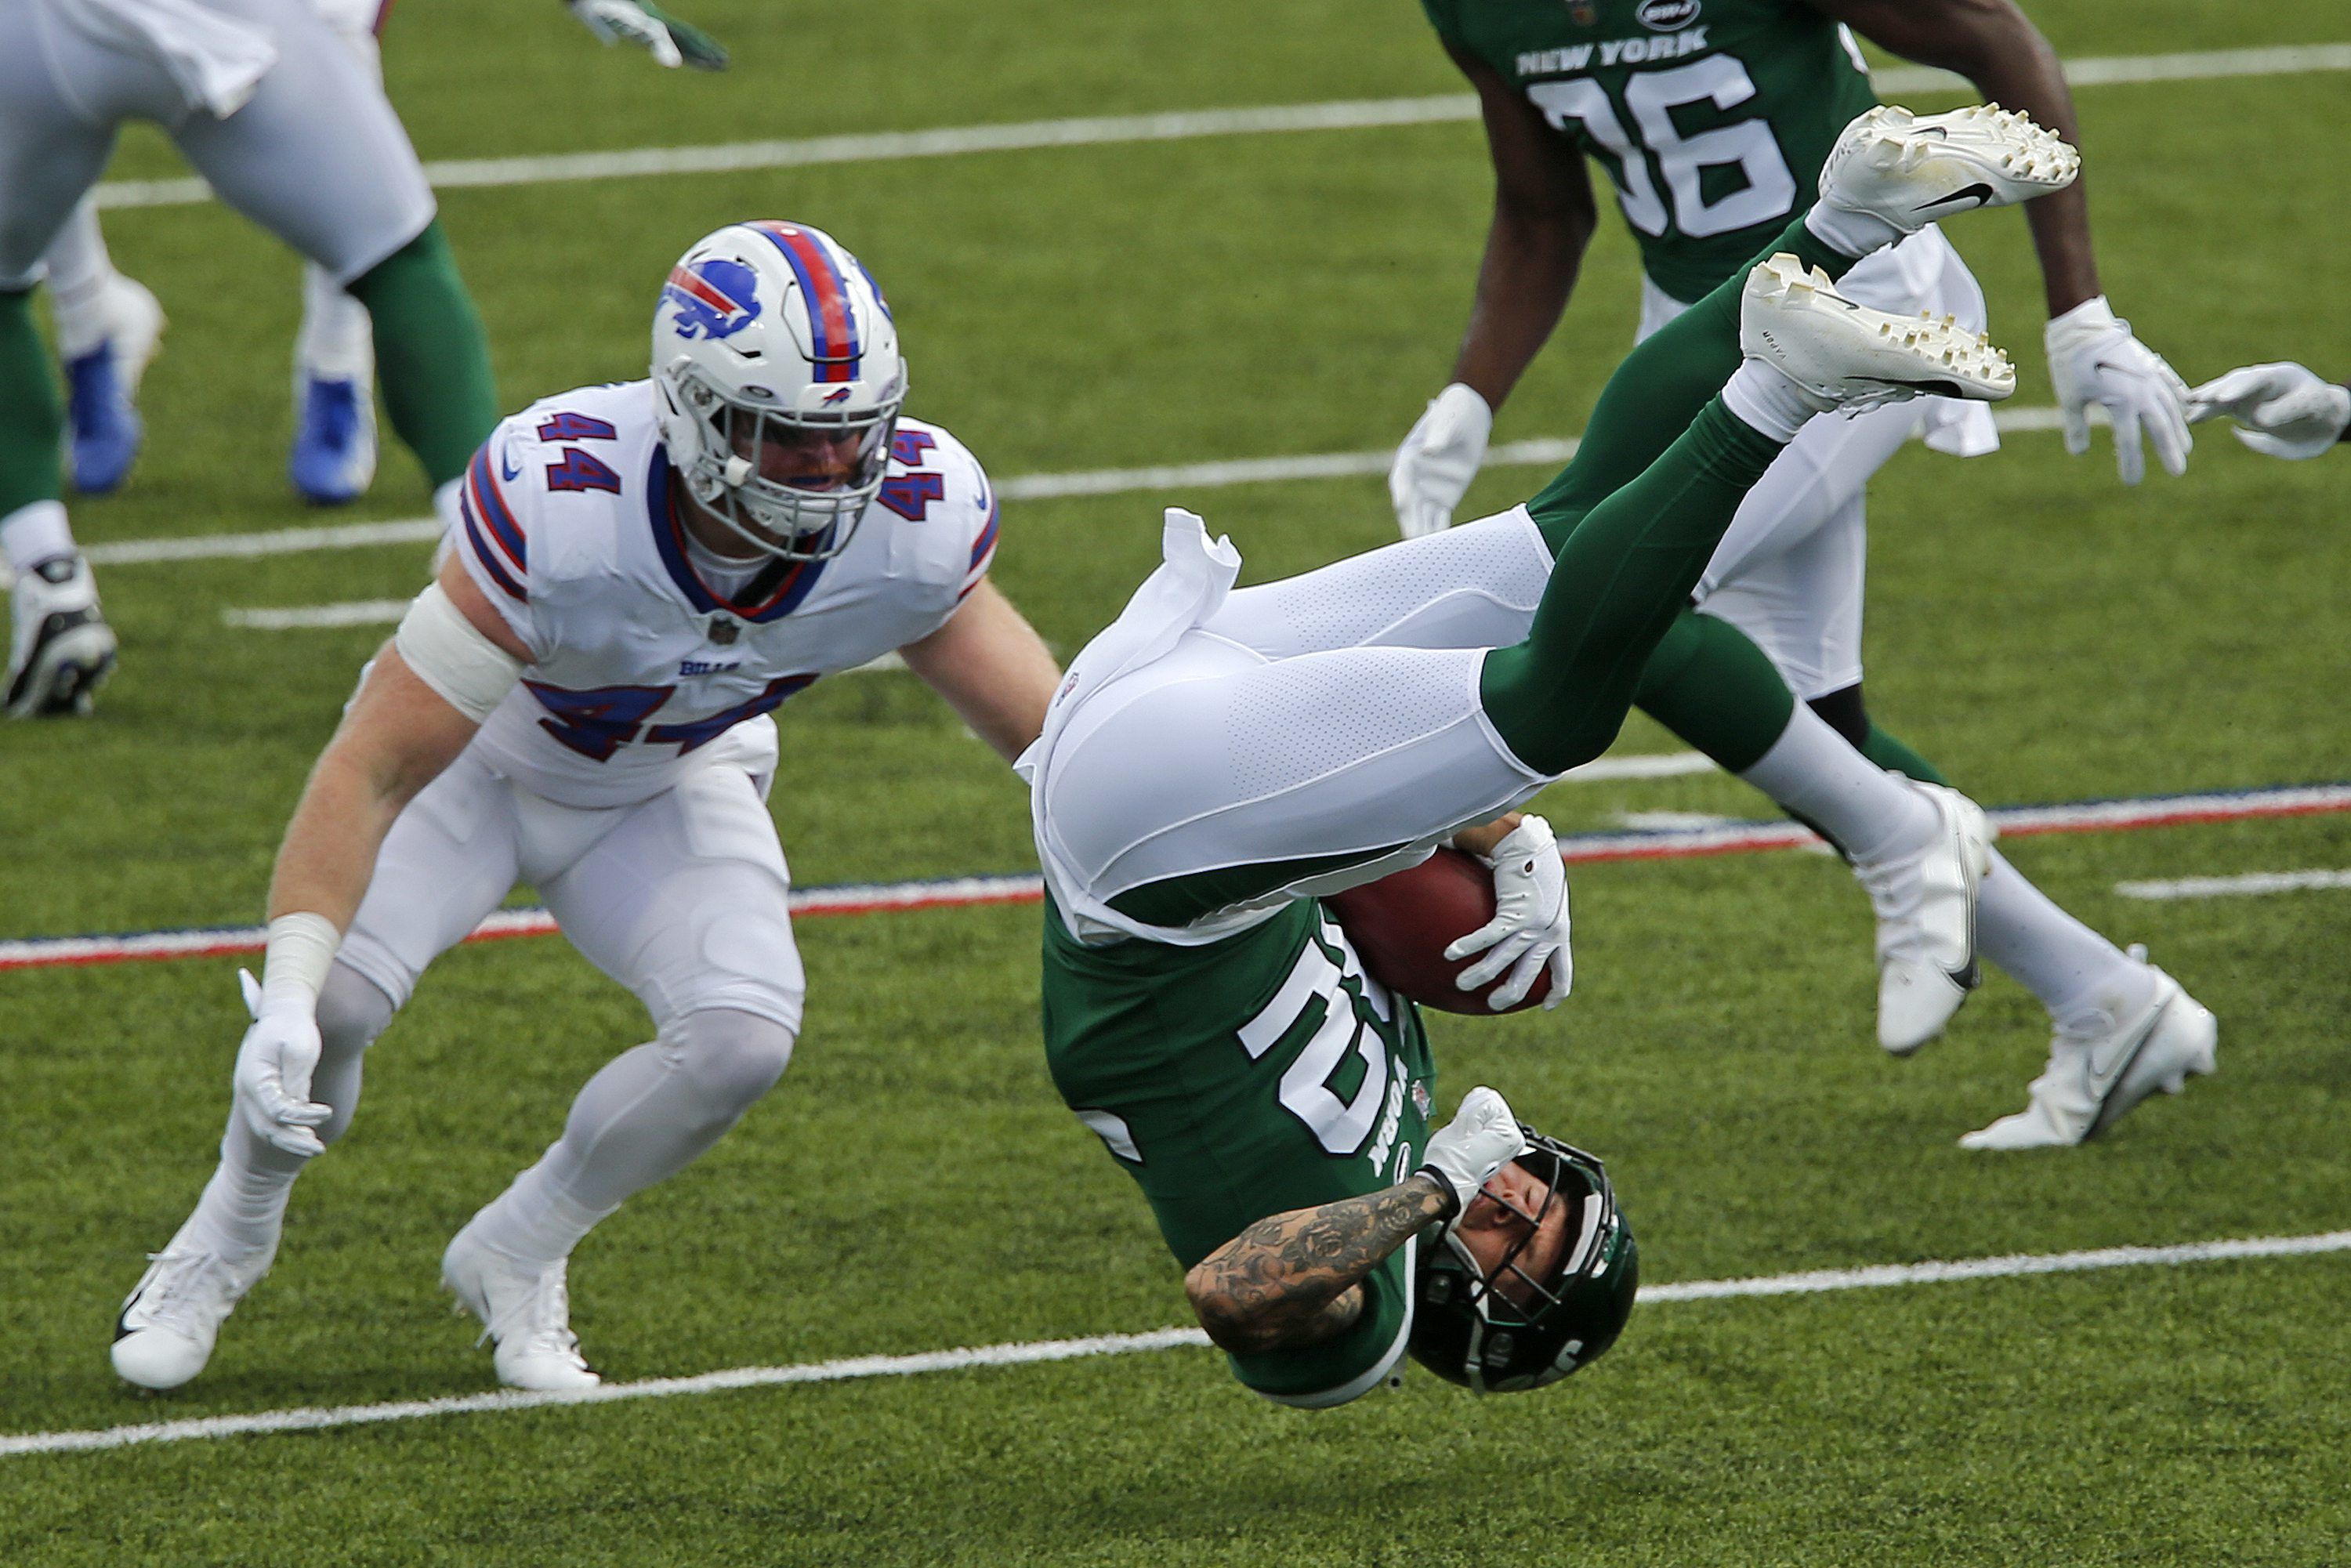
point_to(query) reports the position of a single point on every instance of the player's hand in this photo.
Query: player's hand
(273, 1073)
(1438, 458)
(2282, 410)
(2094, 359)
(670, 41)
(1481, 1139)
(1529, 925)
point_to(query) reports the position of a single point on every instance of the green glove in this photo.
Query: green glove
(670, 41)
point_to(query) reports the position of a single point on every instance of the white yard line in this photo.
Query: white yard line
(312, 1418)
(300, 617)
(1176, 126)
(2250, 885)
(1538, 453)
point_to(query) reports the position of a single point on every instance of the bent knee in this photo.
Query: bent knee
(732, 1056)
(352, 1011)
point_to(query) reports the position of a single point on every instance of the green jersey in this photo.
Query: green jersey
(1254, 1075)
(1711, 117)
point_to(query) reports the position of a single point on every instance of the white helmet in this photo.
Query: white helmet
(776, 384)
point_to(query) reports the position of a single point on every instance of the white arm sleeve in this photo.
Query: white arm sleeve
(450, 655)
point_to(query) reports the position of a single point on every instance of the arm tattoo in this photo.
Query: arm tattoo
(1291, 1280)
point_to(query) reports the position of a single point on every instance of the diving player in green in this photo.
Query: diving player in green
(1218, 760)
(1711, 118)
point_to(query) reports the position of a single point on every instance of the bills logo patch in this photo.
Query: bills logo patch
(715, 299)
(839, 394)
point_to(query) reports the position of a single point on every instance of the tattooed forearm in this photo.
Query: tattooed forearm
(1291, 1280)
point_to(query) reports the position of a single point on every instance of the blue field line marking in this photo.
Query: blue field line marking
(2115, 814)
(1818, 1281)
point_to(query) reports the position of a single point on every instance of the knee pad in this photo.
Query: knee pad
(733, 1056)
(352, 1011)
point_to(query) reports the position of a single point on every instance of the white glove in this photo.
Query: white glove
(2094, 359)
(274, 1065)
(1481, 1139)
(1438, 458)
(2283, 409)
(670, 41)
(1530, 925)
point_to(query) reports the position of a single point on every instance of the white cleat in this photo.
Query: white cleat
(524, 1307)
(1911, 170)
(2092, 1081)
(1926, 905)
(165, 1332)
(1850, 357)
(60, 646)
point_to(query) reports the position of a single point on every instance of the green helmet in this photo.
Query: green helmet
(1468, 1332)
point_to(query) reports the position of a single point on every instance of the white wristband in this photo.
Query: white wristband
(301, 949)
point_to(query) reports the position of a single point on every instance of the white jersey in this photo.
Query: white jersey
(637, 664)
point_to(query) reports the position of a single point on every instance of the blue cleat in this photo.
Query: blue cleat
(333, 459)
(103, 425)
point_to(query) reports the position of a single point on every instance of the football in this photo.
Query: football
(1402, 923)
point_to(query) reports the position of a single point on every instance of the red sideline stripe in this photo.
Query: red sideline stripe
(965, 893)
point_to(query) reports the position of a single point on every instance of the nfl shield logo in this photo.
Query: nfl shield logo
(723, 630)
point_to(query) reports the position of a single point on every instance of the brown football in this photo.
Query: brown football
(1403, 923)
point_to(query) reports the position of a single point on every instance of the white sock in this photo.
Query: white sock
(2086, 981)
(1766, 399)
(33, 533)
(80, 271)
(337, 341)
(243, 1208)
(1849, 233)
(1813, 772)
(648, 1114)
(244, 1205)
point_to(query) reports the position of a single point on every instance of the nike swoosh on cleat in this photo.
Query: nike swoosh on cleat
(2102, 1086)
(1981, 192)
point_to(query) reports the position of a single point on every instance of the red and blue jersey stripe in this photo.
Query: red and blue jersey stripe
(983, 552)
(833, 319)
(778, 590)
(496, 537)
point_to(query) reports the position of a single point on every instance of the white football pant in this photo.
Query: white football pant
(1328, 713)
(682, 898)
(316, 156)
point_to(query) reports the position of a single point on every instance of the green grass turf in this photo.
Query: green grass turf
(914, 1184)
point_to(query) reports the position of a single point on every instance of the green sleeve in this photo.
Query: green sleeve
(1341, 1369)
(1445, 15)
(1151, 1046)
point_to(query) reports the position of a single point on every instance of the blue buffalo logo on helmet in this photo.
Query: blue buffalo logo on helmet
(714, 298)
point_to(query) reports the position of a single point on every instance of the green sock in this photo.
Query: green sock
(1894, 754)
(1659, 389)
(1717, 690)
(32, 420)
(1619, 582)
(429, 354)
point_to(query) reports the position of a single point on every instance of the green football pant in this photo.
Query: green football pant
(32, 421)
(1631, 522)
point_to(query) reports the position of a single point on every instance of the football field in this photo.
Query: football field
(1219, 255)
